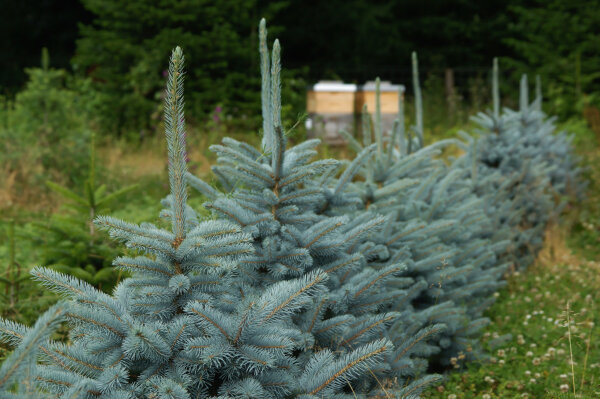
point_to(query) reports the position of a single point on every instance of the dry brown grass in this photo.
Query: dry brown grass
(556, 252)
(20, 190)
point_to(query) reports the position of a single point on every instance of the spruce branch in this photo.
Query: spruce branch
(21, 362)
(175, 133)
(418, 99)
(495, 89)
(378, 127)
(265, 74)
(523, 95)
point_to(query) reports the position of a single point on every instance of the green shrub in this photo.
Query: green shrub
(70, 242)
(19, 299)
(44, 131)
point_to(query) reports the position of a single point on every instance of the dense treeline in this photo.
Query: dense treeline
(119, 46)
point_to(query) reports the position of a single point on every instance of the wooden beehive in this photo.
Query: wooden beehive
(388, 96)
(334, 105)
(331, 98)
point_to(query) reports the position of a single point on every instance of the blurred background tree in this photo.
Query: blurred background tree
(560, 40)
(119, 46)
(123, 50)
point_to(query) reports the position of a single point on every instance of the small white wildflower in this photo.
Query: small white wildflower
(529, 354)
(537, 375)
(451, 396)
(564, 387)
(527, 373)
(486, 396)
(563, 376)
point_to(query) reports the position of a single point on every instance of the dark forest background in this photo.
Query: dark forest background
(116, 51)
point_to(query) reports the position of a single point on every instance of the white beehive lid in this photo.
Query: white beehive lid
(385, 85)
(334, 86)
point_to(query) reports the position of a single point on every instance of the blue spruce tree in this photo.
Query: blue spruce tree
(522, 169)
(281, 198)
(436, 226)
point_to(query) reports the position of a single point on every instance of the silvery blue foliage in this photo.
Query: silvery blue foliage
(281, 197)
(523, 170)
(460, 226)
(313, 279)
(18, 371)
(187, 324)
(437, 227)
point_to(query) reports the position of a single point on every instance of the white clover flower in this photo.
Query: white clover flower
(564, 387)
(529, 354)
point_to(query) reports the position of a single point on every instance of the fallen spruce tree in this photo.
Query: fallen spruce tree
(312, 279)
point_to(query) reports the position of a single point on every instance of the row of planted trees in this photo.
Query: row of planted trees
(312, 279)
